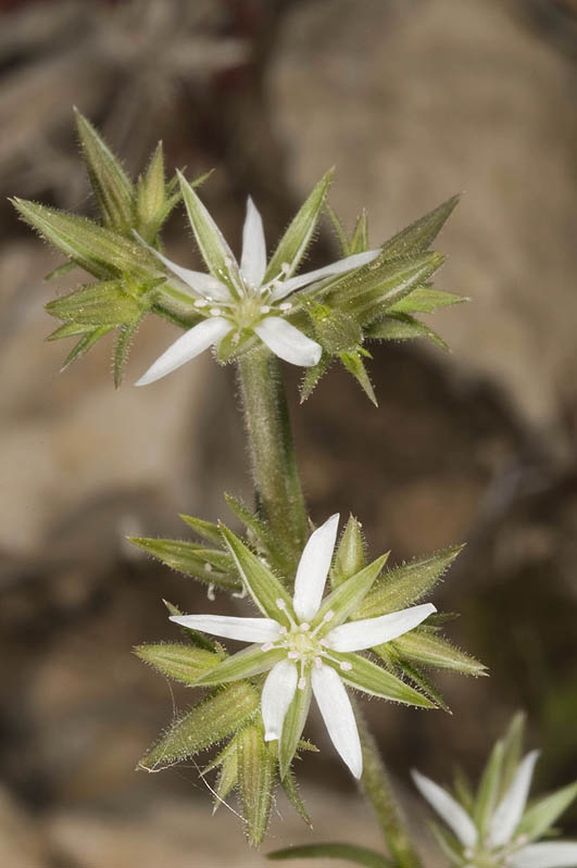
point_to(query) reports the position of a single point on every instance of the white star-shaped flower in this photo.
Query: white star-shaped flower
(506, 841)
(307, 647)
(247, 298)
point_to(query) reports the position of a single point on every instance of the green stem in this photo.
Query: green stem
(278, 489)
(376, 787)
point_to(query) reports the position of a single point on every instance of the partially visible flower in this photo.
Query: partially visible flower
(308, 645)
(246, 299)
(499, 832)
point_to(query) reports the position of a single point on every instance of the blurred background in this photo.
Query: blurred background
(413, 100)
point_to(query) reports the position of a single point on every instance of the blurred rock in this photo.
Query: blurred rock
(416, 101)
(21, 842)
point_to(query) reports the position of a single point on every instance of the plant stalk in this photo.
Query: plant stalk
(278, 489)
(376, 787)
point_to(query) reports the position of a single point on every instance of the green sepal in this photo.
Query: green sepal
(195, 637)
(354, 364)
(208, 565)
(104, 303)
(263, 586)
(346, 597)
(540, 816)
(369, 291)
(418, 236)
(112, 187)
(402, 586)
(290, 787)
(214, 249)
(334, 330)
(60, 271)
(359, 240)
(98, 250)
(244, 664)
(293, 244)
(448, 843)
(204, 725)
(69, 330)
(181, 662)
(429, 649)
(85, 344)
(205, 529)
(512, 747)
(350, 556)
(313, 375)
(293, 726)
(463, 790)
(352, 853)
(371, 678)
(425, 299)
(228, 774)
(489, 789)
(255, 526)
(126, 333)
(256, 773)
(422, 683)
(402, 327)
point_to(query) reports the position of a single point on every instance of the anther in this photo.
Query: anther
(215, 311)
(265, 308)
(302, 683)
(285, 268)
(200, 302)
(208, 568)
(281, 604)
(345, 666)
(304, 627)
(318, 662)
(286, 305)
(293, 655)
(268, 646)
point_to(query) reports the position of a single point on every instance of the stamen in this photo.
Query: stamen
(346, 666)
(293, 655)
(265, 308)
(305, 627)
(285, 268)
(281, 604)
(302, 683)
(200, 302)
(318, 662)
(215, 311)
(286, 305)
(208, 568)
(283, 631)
(210, 592)
(268, 646)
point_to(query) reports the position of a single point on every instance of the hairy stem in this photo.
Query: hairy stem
(278, 490)
(376, 787)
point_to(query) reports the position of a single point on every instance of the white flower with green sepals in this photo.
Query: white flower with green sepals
(237, 301)
(500, 832)
(309, 645)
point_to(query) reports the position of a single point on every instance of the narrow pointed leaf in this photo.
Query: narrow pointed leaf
(256, 771)
(425, 299)
(205, 725)
(350, 556)
(354, 364)
(422, 684)
(206, 529)
(541, 815)
(297, 237)
(198, 640)
(126, 334)
(151, 198)
(448, 843)
(313, 375)
(405, 585)
(489, 789)
(99, 251)
(420, 235)
(263, 586)
(352, 853)
(181, 662)
(104, 303)
(112, 187)
(246, 663)
(432, 650)
(463, 790)
(347, 596)
(290, 787)
(360, 237)
(207, 565)
(339, 229)
(254, 525)
(228, 775)
(217, 255)
(69, 330)
(371, 678)
(85, 344)
(513, 748)
(401, 327)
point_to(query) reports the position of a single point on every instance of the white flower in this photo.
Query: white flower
(240, 300)
(307, 645)
(505, 842)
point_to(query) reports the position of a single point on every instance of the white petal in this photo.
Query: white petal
(448, 809)
(203, 284)
(313, 569)
(556, 854)
(287, 342)
(337, 712)
(253, 260)
(190, 344)
(277, 694)
(285, 287)
(228, 627)
(511, 807)
(358, 635)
